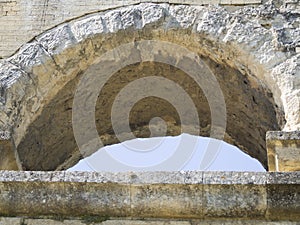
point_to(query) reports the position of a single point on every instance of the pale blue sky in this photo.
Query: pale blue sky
(144, 154)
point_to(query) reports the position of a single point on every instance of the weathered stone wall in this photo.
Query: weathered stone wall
(259, 43)
(21, 20)
(252, 49)
(193, 197)
(97, 221)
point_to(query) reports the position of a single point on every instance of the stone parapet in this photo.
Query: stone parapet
(128, 221)
(153, 195)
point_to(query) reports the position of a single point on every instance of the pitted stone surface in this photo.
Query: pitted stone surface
(4, 135)
(259, 42)
(283, 151)
(17, 221)
(234, 178)
(283, 178)
(22, 20)
(10, 221)
(259, 45)
(157, 178)
(100, 196)
(281, 135)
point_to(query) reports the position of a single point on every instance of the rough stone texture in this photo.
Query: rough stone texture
(20, 20)
(234, 201)
(225, 222)
(286, 196)
(283, 151)
(7, 160)
(253, 50)
(283, 196)
(224, 190)
(18, 221)
(96, 197)
(10, 221)
(253, 47)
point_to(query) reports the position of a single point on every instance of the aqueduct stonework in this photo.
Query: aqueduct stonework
(253, 51)
(251, 46)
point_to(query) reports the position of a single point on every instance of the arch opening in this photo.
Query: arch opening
(49, 142)
(144, 154)
(49, 69)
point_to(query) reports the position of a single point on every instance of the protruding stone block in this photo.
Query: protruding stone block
(283, 150)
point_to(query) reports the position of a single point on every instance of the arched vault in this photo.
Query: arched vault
(260, 82)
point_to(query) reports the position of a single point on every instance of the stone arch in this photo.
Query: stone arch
(40, 78)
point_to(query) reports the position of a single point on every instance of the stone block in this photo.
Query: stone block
(167, 201)
(234, 194)
(239, 201)
(283, 190)
(283, 178)
(97, 199)
(10, 221)
(32, 199)
(283, 150)
(30, 55)
(283, 202)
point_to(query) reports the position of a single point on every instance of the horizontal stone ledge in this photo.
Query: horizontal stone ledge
(193, 195)
(129, 221)
(179, 177)
(283, 135)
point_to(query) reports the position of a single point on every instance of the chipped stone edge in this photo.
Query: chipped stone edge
(143, 185)
(283, 135)
(180, 177)
(65, 28)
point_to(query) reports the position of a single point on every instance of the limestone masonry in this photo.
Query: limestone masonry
(21, 20)
(160, 197)
(48, 48)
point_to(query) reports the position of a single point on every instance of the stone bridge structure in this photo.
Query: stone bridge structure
(252, 47)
